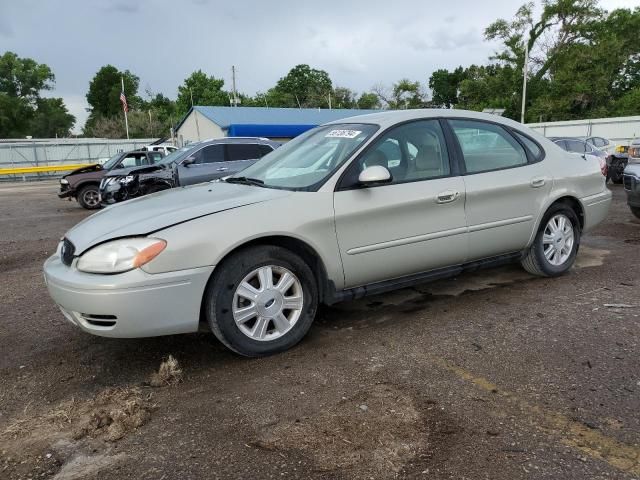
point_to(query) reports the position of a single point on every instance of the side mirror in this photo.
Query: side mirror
(374, 175)
(188, 161)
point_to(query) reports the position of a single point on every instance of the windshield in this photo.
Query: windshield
(176, 155)
(307, 161)
(109, 164)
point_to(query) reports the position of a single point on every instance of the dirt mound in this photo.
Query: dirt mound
(377, 431)
(34, 441)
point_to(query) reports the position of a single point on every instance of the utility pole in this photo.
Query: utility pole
(195, 114)
(150, 124)
(525, 71)
(233, 86)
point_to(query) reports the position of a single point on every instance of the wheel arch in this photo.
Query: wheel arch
(293, 244)
(567, 199)
(84, 183)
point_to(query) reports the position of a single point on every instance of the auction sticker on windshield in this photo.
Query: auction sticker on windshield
(343, 133)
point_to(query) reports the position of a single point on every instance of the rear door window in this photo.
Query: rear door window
(576, 146)
(530, 144)
(487, 146)
(264, 149)
(243, 151)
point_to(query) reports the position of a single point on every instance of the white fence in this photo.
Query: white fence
(617, 129)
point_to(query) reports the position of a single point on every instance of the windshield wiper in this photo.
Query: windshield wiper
(245, 181)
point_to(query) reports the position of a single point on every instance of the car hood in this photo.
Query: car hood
(148, 214)
(86, 169)
(122, 172)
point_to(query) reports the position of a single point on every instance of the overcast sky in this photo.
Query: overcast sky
(359, 42)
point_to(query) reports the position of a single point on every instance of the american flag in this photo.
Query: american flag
(123, 100)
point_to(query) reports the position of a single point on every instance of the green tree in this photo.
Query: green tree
(445, 86)
(21, 82)
(206, 90)
(104, 91)
(302, 87)
(343, 98)
(51, 119)
(368, 101)
(404, 94)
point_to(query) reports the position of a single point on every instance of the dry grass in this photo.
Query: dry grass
(109, 415)
(169, 373)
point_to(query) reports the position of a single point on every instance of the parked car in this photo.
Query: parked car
(601, 144)
(164, 148)
(83, 183)
(631, 178)
(351, 208)
(581, 147)
(195, 163)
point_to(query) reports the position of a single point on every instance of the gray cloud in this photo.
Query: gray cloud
(123, 7)
(359, 42)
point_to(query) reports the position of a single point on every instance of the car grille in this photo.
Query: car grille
(68, 252)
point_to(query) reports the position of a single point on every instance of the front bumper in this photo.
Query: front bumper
(130, 304)
(632, 188)
(65, 191)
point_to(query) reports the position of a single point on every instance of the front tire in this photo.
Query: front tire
(261, 301)
(635, 211)
(89, 197)
(555, 247)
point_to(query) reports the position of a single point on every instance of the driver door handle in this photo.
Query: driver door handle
(447, 196)
(223, 169)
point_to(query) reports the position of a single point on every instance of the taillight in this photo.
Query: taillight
(603, 166)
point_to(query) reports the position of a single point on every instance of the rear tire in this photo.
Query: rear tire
(89, 197)
(261, 301)
(615, 171)
(635, 211)
(553, 252)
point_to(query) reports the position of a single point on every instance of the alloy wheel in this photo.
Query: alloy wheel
(91, 198)
(558, 239)
(267, 303)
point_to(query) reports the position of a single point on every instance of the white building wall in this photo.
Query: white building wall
(616, 129)
(188, 131)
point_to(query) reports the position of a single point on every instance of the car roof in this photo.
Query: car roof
(577, 139)
(387, 118)
(237, 140)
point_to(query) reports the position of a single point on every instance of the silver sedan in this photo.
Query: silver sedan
(351, 208)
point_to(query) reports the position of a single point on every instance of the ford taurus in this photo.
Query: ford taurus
(351, 208)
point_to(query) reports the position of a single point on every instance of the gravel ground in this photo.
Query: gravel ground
(494, 374)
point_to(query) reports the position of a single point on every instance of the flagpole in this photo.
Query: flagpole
(126, 119)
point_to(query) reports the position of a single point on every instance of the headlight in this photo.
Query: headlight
(127, 179)
(121, 255)
(64, 181)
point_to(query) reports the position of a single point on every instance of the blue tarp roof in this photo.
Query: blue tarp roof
(291, 121)
(271, 131)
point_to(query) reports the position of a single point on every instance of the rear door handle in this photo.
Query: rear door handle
(538, 182)
(447, 196)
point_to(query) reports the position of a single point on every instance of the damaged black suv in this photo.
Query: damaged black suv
(196, 163)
